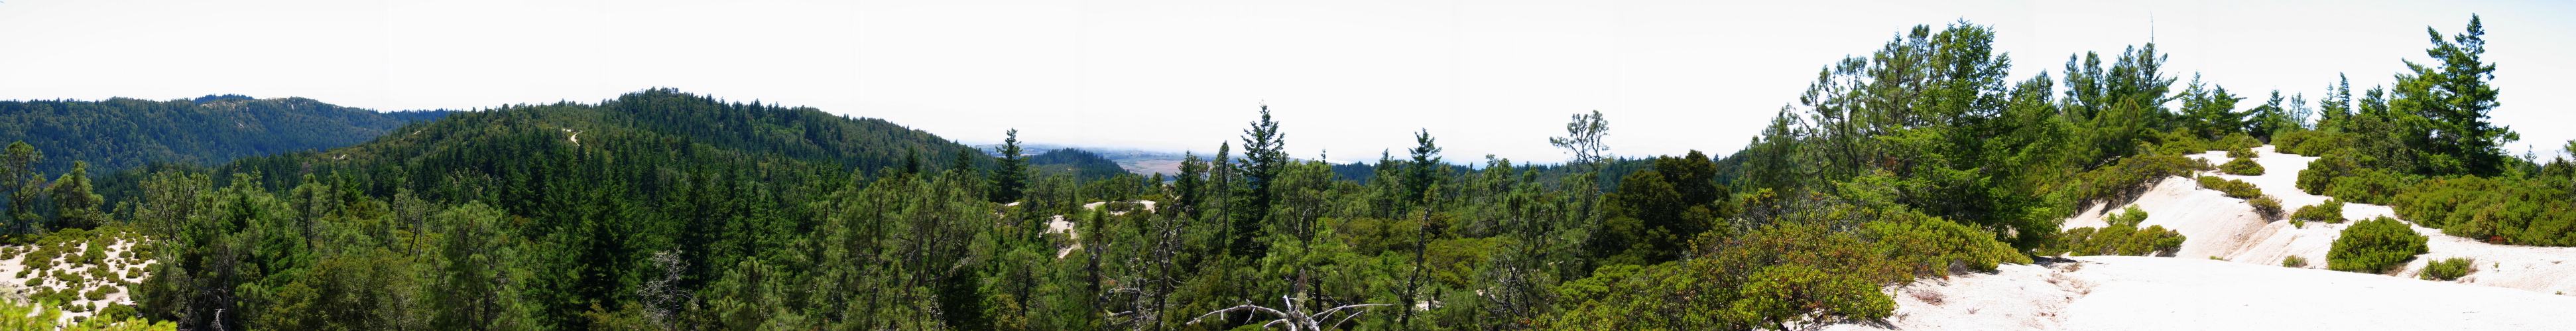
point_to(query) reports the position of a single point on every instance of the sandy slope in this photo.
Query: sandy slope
(2513, 288)
(2153, 293)
(2226, 228)
(17, 289)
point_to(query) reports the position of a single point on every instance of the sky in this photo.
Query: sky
(1346, 79)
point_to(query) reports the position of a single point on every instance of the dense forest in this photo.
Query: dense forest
(666, 210)
(1082, 165)
(120, 133)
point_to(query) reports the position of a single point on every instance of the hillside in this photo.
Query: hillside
(546, 208)
(123, 133)
(2157, 293)
(1084, 166)
(2229, 275)
(2225, 228)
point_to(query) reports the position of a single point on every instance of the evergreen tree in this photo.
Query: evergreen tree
(2448, 103)
(74, 205)
(1264, 154)
(19, 175)
(2212, 111)
(1012, 174)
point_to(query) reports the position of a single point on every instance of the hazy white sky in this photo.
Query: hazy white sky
(1354, 77)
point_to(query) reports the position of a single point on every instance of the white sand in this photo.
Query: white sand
(2513, 287)
(2153, 293)
(17, 289)
(1058, 223)
(2227, 228)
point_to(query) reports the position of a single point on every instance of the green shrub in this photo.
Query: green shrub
(2448, 269)
(2241, 153)
(2372, 186)
(2238, 140)
(2233, 188)
(97, 294)
(2121, 237)
(2330, 212)
(2241, 166)
(2495, 210)
(2267, 206)
(2374, 246)
(2132, 173)
(2311, 143)
(1931, 246)
(2294, 261)
(2130, 216)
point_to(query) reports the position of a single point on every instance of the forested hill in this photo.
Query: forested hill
(1083, 165)
(644, 130)
(800, 132)
(122, 133)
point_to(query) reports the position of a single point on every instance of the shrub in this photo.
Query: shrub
(2122, 237)
(2294, 261)
(2515, 211)
(2132, 173)
(2374, 246)
(2233, 188)
(1931, 246)
(2267, 206)
(2311, 143)
(2448, 269)
(2130, 216)
(2241, 166)
(2373, 186)
(2321, 173)
(2238, 140)
(2241, 152)
(2330, 212)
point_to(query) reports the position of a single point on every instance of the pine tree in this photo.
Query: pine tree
(25, 185)
(2448, 103)
(1011, 175)
(75, 206)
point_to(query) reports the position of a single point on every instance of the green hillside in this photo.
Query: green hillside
(123, 133)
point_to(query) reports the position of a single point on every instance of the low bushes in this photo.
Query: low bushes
(2132, 173)
(2241, 166)
(2121, 237)
(2234, 188)
(2330, 212)
(2294, 261)
(2241, 152)
(2267, 206)
(2448, 269)
(2516, 211)
(2311, 143)
(2374, 246)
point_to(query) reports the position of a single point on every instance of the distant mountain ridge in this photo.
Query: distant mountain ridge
(121, 133)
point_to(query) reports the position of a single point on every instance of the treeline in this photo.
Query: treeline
(1082, 165)
(120, 133)
(2424, 146)
(663, 210)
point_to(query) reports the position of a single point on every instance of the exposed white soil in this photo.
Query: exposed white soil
(2512, 287)
(2227, 228)
(129, 270)
(2156, 293)
(1058, 223)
